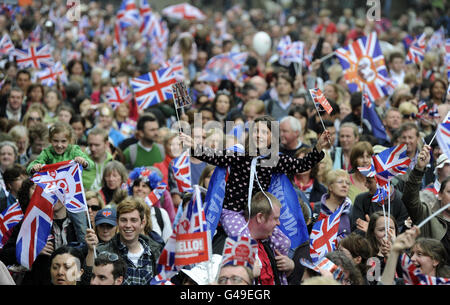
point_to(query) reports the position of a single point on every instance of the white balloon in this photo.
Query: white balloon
(262, 43)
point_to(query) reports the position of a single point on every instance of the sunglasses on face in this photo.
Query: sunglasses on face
(112, 257)
(34, 119)
(233, 279)
(94, 207)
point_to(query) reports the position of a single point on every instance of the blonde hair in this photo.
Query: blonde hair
(321, 173)
(91, 194)
(61, 127)
(258, 104)
(131, 203)
(333, 175)
(408, 108)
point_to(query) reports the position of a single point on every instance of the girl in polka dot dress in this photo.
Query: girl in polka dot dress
(237, 186)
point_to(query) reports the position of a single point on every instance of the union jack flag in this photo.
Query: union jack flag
(443, 135)
(49, 76)
(240, 251)
(323, 238)
(324, 264)
(36, 226)
(422, 106)
(224, 66)
(320, 100)
(6, 45)
(118, 95)
(8, 219)
(184, 11)
(381, 194)
(34, 57)
(156, 194)
(128, 14)
(153, 88)
(289, 51)
(365, 53)
(391, 162)
(66, 177)
(182, 172)
(437, 40)
(413, 276)
(192, 221)
(416, 50)
(145, 12)
(160, 280)
(371, 118)
(367, 171)
(176, 65)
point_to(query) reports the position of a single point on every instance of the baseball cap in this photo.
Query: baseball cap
(441, 161)
(106, 215)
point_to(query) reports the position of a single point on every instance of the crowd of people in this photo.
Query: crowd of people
(126, 151)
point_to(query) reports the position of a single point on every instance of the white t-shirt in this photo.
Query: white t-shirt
(134, 257)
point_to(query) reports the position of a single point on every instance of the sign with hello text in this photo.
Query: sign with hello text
(192, 248)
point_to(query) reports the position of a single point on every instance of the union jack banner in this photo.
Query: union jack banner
(324, 264)
(182, 172)
(381, 194)
(156, 194)
(145, 12)
(391, 162)
(320, 100)
(128, 14)
(34, 57)
(176, 65)
(443, 135)
(323, 238)
(36, 226)
(191, 223)
(8, 220)
(153, 88)
(437, 40)
(240, 251)
(49, 76)
(118, 95)
(413, 276)
(416, 51)
(289, 51)
(6, 45)
(365, 54)
(66, 177)
(224, 66)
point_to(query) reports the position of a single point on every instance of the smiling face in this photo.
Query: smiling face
(60, 142)
(261, 135)
(426, 263)
(141, 190)
(130, 226)
(340, 187)
(113, 180)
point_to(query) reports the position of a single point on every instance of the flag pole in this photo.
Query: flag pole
(320, 117)
(433, 215)
(327, 56)
(435, 133)
(389, 204)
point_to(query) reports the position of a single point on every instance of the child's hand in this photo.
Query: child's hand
(81, 161)
(37, 167)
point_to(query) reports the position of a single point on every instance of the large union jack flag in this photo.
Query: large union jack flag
(49, 76)
(443, 135)
(365, 54)
(184, 11)
(34, 57)
(153, 88)
(66, 178)
(182, 172)
(391, 162)
(416, 51)
(8, 219)
(323, 238)
(36, 226)
(118, 95)
(224, 66)
(320, 100)
(6, 45)
(447, 57)
(128, 14)
(240, 251)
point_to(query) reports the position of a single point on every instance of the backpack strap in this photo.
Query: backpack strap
(159, 219)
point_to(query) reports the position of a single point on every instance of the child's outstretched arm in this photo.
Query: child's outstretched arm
(37, 164)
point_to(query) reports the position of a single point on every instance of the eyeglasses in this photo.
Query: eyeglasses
(407, 116)
(112, 257)
(34, 119)
(94, 207)
(233, 279)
